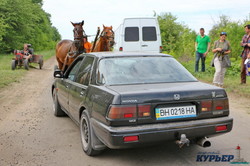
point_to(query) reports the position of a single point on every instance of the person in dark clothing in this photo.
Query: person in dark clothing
(245, 43)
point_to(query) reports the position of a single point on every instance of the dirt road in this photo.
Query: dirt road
(30, 135)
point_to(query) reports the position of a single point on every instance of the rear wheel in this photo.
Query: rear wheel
(56, 107)
(13, 64)
(26, 64)
(86, 136)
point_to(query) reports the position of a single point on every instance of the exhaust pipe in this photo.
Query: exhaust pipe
(204, 142)
(182, 141)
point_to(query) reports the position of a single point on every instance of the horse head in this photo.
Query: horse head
(78, 31)
(108, 35)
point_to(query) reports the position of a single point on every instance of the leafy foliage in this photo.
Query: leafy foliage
(235, 31)
(24, 21)
(178, 40)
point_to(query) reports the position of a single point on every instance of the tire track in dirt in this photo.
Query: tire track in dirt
(22, 111)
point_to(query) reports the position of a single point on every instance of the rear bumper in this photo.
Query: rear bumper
(156, 133)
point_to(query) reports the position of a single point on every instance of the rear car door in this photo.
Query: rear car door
(77, 92)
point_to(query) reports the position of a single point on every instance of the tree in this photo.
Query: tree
(24, 21)
(177, 38)
(170, 31)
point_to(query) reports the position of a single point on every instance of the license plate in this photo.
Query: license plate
(175, 112)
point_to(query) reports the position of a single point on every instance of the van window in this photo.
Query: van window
(149, 34)
(131, 34)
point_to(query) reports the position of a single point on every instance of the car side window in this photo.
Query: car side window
(83, 76)
(74, 70)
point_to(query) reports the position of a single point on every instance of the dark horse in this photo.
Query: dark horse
(68, 50)
(105, 41)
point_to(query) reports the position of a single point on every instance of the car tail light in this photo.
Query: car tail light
(221, 128)
(131, 138)
(206, 105)
(143, 111)
(221, 104)
(129, 111)
(215, 105)
(121, 112)
(121, 49)
(128, 115)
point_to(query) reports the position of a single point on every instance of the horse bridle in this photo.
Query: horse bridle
(108, 38)
(77, 36)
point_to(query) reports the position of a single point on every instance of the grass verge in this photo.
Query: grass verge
(8, 76)
(232, 77)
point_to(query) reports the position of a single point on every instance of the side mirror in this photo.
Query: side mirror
(58, 73)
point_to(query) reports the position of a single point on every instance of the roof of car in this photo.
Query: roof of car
(114, 54)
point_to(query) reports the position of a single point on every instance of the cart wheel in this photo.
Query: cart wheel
(13, 64)
(26, 64)
(40, 63)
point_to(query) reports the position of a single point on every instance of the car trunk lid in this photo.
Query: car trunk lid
(167, 92)
(166, 97)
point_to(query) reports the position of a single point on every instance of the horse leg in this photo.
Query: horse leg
(60, 64)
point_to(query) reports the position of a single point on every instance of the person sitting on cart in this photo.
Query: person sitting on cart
(27, 50)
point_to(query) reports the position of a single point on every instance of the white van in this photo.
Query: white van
(138, 34)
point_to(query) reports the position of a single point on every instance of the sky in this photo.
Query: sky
(95, 13)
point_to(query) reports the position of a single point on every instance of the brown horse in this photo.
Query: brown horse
(105, 41)
(68, 50)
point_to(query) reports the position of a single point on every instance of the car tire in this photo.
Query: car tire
(86, 132)
(13, 64)
(26, 64)
(56, 106)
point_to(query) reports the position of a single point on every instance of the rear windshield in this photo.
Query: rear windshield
(141, 70)
(149, 34)
(131, 34)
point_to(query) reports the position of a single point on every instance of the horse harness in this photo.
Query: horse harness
(78, 44)
(110, 39)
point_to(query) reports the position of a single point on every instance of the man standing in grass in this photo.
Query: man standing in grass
(245, 43)
(202, 46)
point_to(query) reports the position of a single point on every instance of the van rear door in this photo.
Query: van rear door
(131, 35)
(151, 40)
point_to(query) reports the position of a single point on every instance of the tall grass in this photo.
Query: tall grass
(8, 76)
(232, 77)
